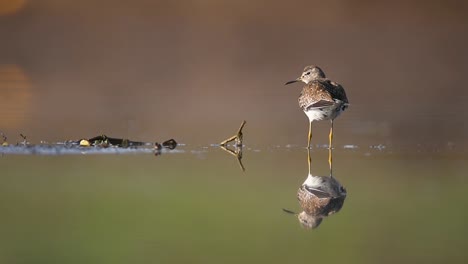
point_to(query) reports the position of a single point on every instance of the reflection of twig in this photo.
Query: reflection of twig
(236, 153)
(237, 137)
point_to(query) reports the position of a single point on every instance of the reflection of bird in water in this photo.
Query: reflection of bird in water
(320, 99)
(319, 197)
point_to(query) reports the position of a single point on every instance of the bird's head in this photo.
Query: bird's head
(306, 220)
(309, 74)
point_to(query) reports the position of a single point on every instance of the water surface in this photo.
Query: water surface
(196, 205)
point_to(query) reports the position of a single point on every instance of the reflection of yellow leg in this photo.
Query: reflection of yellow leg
(310, 135)
(330, 148)
(309, 160)
(330, 160)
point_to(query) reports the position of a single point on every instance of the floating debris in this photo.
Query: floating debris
(350, 147)
(105, 141)
(125, 143)
(378, 147)
(157, 149)
(95, 145)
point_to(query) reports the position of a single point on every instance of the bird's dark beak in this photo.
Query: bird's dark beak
(297, 80)
(289, 212)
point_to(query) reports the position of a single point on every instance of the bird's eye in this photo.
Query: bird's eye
(308, 73)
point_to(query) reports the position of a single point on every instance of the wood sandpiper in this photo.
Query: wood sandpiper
(320, 99)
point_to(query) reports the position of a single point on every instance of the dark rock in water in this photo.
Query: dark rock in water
(170, 144)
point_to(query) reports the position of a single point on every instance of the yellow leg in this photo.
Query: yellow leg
(309, 160)
(330, 136)
(310, 135)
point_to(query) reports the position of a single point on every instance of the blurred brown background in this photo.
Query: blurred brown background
(193, 70)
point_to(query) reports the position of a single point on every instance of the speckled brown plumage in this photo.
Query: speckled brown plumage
(320, 99)
(320, 93)
(319, 206)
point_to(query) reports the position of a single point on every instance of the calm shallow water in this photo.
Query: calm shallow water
(196, 205)
(193, 70)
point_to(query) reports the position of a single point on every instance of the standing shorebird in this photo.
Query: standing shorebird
(320, 99)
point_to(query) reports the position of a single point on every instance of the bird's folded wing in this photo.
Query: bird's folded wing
(338, 92)
(317, 192)
(319, 104)
(315, 94)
